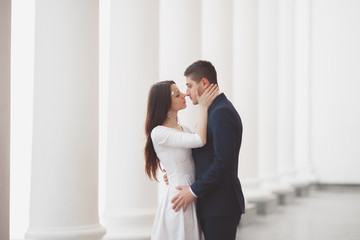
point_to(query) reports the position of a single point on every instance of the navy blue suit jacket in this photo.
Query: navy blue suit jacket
(216, 164)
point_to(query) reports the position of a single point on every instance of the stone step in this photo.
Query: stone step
(265, 204)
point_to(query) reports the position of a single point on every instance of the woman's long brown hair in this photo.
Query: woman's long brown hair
(159, 103)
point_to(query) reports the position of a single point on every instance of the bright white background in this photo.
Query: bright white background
(335, 88)
(335, 98)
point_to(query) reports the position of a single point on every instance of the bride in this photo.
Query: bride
(169, 143)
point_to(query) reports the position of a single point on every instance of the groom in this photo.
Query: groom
(220, 200)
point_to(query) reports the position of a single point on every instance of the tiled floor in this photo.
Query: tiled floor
(324, 215)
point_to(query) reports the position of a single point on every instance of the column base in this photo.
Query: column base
(92, 232)
(287, 197)
(130, 224)
(302, 189)
(284, 192)
(306, 176)
(266, 203)
(250, 214)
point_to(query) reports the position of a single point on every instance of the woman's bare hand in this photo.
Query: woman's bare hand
(208, 96)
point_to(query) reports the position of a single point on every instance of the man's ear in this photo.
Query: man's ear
(205, 83)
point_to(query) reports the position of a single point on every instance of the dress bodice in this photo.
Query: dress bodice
(173, 148)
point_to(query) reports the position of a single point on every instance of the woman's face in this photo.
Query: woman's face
(178, 101)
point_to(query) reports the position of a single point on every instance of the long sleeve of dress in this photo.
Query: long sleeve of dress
(173, 138)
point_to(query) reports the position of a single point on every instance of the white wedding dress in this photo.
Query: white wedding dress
(173, 148)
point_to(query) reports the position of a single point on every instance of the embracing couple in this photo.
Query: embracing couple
(204, 198)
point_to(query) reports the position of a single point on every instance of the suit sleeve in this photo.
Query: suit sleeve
(224, 142)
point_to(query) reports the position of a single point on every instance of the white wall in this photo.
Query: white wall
(335, 88)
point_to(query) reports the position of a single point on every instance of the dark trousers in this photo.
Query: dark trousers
(217, 228)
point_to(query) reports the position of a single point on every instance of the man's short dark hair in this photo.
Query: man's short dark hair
(201, 69)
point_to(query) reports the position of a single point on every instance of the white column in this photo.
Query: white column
(302, 91)
(245, 97)
(245, 85)
(22, 86)
(286, 79)
(267, 101)
(180, 45)
(131, 198)
(217, 40)
(5, 27)
(64, 177)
